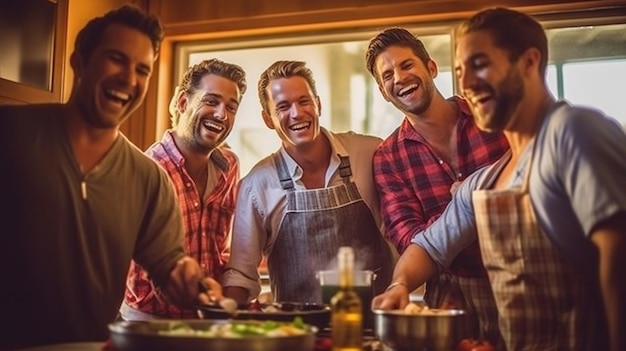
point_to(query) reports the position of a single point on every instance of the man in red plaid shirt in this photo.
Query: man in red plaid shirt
(204, 173)
(418, 167)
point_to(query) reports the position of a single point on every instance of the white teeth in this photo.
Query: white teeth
(118, 94)
(407, 89)
(211, 125)
(300, 126)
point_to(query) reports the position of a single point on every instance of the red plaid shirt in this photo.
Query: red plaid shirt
(207, 226)
(414, 184)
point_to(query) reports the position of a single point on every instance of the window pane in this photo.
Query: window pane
(599, 84)
(587, 64)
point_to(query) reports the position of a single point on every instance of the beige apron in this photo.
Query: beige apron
(542, 301)
(316, 224)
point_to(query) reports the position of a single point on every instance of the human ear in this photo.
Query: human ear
(432, 68)
(531, 59)
(182, 102)
(267, 119)
(384, 94)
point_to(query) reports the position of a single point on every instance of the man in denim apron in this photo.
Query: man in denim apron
(300, 204)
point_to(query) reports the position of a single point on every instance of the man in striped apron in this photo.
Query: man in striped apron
(299, 205)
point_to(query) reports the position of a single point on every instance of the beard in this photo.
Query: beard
(428, 91)
(507, 95)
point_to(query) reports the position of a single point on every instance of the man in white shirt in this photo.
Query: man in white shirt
(300, 204)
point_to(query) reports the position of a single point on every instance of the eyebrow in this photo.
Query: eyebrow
(410, 59)
(115, 51)
(217, 96)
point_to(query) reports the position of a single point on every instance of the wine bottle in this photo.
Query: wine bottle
(347, 315)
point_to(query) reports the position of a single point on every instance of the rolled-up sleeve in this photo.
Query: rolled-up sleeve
(455, 229)
(248, 240)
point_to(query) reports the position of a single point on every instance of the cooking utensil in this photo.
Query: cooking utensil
(432, 330)
(229, 305)
(313, 314)
(147, 335)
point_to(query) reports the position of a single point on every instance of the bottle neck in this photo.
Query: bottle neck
(346, 277)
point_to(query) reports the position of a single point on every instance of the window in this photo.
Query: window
(586, 65)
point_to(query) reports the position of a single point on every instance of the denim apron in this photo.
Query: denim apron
(543, 301)
(316, 223)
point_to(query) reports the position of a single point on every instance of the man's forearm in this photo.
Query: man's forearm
(414, 267)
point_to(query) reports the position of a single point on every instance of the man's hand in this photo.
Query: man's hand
(395, 297)
(183, 287)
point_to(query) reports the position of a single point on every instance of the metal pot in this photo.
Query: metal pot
(144, 335)
(435, 330)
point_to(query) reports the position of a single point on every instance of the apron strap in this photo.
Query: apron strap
(283, 173)
(345, 171)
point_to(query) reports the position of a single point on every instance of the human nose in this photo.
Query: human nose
(398, 75)
(294, 110)
(129, 76)
(220, 112)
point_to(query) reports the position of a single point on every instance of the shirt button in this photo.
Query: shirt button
(440, 162)
(188, 185)
(195, 204)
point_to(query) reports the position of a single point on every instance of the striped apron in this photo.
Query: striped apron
(317, 222)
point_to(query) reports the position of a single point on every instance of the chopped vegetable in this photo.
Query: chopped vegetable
(235, 329)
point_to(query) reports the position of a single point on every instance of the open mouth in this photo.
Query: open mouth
(212, 126)
(117, 96)
(300, 126)
(408, 90)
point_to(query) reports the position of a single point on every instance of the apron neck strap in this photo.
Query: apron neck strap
(283, 172)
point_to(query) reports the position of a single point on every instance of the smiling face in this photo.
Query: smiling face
(293, 111)
(404, 79)
(492, 84)
(113, 81)
(208, 114)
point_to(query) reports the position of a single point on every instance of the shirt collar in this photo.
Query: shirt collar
(337, 149)
(217, 157)
(406, 130)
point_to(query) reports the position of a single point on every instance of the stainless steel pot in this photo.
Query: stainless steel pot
(436, 330)
(141, 336)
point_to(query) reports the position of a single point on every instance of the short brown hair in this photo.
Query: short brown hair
(283, 69)
(129, 15)
(511, 30)
(394, 36)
